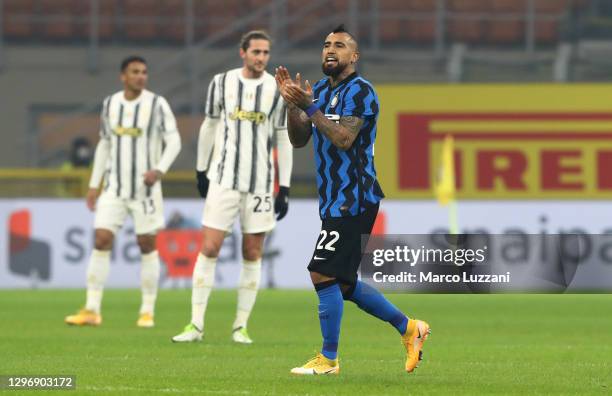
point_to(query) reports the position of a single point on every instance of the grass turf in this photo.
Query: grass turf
(480, 344)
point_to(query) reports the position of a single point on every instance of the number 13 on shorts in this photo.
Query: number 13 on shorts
(148, 207)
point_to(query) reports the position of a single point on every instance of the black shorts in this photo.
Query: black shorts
(338, 250)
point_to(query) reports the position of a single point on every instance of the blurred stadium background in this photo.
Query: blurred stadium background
(58, 58)
(520, 84)
(523, 87)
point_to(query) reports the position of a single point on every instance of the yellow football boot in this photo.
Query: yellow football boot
(145, 320)
(84, 317)
(318, 365)
(413, 340)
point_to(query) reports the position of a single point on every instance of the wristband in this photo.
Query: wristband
(310, 110)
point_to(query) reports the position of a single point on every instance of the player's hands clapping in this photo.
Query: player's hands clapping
(283, 79)
(281, 203)
(203, 183)
(291, 90)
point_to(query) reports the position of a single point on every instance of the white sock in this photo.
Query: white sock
(202, 283)
(149, 279)
(97, 273)
(250, 276)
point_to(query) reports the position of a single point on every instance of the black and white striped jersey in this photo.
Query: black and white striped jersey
(135, 131)
(251, 114)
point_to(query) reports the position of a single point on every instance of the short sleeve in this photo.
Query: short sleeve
(360, 101)
(213, 103)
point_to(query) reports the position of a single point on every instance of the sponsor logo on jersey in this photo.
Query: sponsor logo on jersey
(254, 116)
(125, 131)
(333, 117)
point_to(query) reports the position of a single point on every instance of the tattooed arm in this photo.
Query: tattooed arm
(298, 126)
(342, 134)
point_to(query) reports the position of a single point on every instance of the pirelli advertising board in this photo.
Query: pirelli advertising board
(510, 141)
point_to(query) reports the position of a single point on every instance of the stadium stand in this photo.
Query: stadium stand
(16, 19)
(174, 28)
(468, 23)
(506, 28)
(212, 16)
(401, 21)
(413, 41)
(423, 29)
(141, 19)
(59, 22)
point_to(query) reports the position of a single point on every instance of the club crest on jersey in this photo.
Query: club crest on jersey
(254, 116)
(334, 101)
(125, 131)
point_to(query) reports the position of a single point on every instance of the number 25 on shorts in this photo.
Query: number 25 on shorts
(263, 204)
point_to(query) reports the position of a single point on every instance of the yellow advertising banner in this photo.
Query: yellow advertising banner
(544, 141)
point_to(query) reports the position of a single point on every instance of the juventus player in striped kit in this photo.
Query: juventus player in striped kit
(129, 157)
(244, 116)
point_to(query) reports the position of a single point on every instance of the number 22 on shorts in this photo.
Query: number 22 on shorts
(334, 236)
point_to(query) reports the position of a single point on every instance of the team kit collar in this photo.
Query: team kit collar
(337, 88)
(348, 78)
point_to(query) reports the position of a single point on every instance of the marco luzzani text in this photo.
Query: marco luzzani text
(413, 257)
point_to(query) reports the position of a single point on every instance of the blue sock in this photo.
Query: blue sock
(373, 302)
(331, 305)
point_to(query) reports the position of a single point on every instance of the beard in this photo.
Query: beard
(255, 68)
(333, 71)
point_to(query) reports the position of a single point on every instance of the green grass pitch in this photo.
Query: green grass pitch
(480, 344)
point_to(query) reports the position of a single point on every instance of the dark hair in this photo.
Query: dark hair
(130, 59)
(245, 41)
(341, 29)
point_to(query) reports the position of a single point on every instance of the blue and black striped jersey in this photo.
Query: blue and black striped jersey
(346, 180)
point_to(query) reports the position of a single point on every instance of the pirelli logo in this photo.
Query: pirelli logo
(524, 155)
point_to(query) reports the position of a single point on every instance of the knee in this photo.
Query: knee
(146, 244)
(252, 252)
(211, 248)
(347, 291)
(252, 246)
(103, 241)
(316, 278)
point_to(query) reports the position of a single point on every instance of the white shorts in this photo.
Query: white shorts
(222, 206)
(147, 214)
